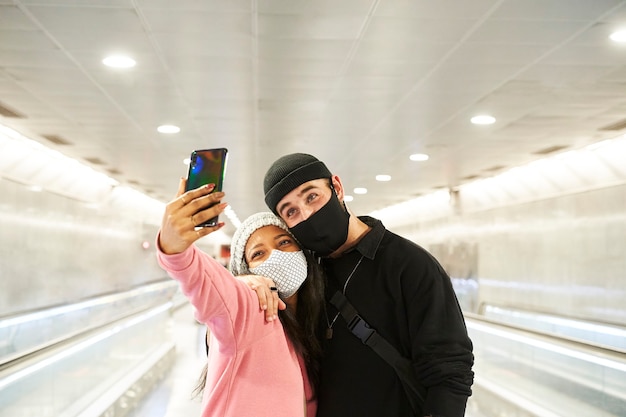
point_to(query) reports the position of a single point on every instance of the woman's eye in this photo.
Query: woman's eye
(255, 255)
(285, 242)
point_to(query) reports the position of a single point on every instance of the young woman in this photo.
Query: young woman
(244, 348)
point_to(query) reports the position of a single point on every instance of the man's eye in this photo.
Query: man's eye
(311, 197)
(290, 212)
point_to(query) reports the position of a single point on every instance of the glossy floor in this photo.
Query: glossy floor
(172, 397)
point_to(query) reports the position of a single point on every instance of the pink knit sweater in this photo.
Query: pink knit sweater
(253, 369)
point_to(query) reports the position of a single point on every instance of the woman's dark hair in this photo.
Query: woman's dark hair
(302, 328)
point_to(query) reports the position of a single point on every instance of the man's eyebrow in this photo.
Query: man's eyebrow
(307, 188)
(304, 190)
(280, 208)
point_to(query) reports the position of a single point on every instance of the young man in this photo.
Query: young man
(397, 287)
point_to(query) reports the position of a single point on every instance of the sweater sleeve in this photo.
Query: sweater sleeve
(223, 303)
(441, 348)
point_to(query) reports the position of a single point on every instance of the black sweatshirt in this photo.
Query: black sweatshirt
(403, 293)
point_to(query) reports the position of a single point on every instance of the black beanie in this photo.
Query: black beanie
(289, 172)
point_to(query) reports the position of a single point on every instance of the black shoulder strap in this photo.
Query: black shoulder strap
(369, 336)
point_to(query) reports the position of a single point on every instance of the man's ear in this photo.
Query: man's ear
(336, 181)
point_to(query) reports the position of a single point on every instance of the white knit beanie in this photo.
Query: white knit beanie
(238, 264)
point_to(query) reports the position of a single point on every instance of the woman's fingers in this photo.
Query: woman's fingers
(207, 230)
(257, 283)
(268, 298)
(211, 212)
(273, 302)
(184, 213)
(181, 187)
(186, 198)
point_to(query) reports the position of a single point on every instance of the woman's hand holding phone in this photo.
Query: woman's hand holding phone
(182, 215)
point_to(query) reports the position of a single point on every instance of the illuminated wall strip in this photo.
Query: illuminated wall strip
(52, 171)
(597, 165)
(514, 398)
(558, 321)
(62, 310)
(67, 352)
(550, 347)
(29, 162)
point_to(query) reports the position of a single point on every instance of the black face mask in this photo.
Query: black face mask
(326, 230)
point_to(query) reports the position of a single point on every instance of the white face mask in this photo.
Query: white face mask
(287, 269)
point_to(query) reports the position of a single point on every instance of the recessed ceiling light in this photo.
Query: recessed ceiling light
(119, 61)
(360, 190)
(383, 177)
(36, 188)
(168, 129)
(483, 119)
(348, 198)
(419, 157)
(619, 36)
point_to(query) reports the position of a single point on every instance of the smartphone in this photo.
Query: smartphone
(207, 166)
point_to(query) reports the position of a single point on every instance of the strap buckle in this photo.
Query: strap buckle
(361, 329)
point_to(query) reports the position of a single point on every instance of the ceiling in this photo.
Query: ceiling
(360, 84)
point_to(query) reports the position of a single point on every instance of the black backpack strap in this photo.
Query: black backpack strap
(370, 337)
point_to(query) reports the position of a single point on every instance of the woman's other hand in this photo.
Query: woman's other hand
(265, 289)
(188, 209)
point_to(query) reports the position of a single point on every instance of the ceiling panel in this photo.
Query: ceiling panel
(192, 22)
(441, 9)
(88, 3)
(76, 19)
(12, 18)
(309, 27)
(318, 7)
(361, 84)
(554, 10)
(231, 6)
(398, 29)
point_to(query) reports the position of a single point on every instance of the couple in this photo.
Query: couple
(309, 362)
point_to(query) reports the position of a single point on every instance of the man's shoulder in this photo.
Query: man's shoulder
(393, 244)
(395, 240)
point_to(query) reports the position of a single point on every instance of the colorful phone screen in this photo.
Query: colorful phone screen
(207, 166)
